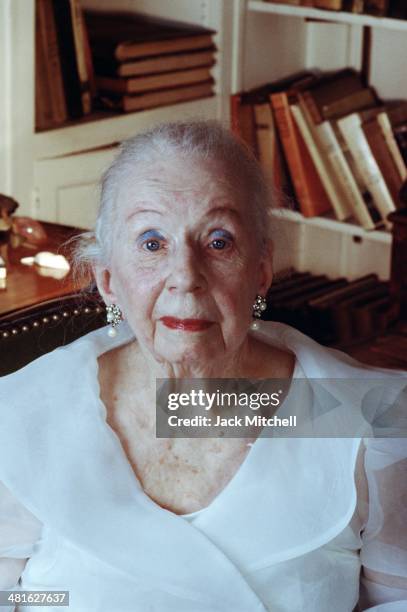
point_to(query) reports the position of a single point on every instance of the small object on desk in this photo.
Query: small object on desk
(48, 264)
(27, 231)
(3, 274)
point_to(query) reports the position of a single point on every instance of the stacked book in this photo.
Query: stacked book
(397, 9)
(334, 312)
(329, 143)
(143, 62)
(63, 66)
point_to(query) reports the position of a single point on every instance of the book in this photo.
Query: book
(383, 157)
(353, 6)
(51, 87)
(351, 128)
(344, 105)
(242, 122)
(70, 74)
(321, 308)
(378, 8)
(322, 165)
(162, 97)
(44, 117)
(341, 313)
(311, 194)
(82, 61)
(156, 64)
(242, 106)
(328, 90)
(398, 9)
(152, 82)
(355, 198)
(125, 36)
(358, 201)
(368, 319)
(383, 119)
(292, 2)
(269, 154)
(330, 5)
(400, 134)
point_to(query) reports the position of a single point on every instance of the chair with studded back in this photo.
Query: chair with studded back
(28, 333)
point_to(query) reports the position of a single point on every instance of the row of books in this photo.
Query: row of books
(333, 312)
(87, 60)
(143, 61)
(329, 143)
(64, 85)
(396, 9)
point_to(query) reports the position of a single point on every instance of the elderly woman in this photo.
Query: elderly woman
(94, 503)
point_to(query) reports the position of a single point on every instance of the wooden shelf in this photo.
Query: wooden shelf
(332, 16)
(342, 227)
(104, 129)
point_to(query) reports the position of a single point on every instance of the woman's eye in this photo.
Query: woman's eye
(218, 244)
(152, 245)
(151, 241)
(221, 240)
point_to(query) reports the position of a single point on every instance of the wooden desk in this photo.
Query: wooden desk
(25, 286)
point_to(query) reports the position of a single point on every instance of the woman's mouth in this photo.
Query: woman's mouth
(189, 325)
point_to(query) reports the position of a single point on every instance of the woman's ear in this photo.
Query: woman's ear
(103, 282)
(266, 268)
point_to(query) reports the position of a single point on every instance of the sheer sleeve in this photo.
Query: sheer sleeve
(19, 531)
(383, 583)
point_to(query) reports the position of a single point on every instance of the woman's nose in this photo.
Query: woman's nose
(186, 272)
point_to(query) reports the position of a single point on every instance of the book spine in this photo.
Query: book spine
(341, 211)
(312, 107)
(400, 134)
(43, 108)
(334, 153)
(292, 154)
(242, 122)
(296, 155)
(153, 82)
(267, 144)
(380, 150)
(330, 5)
(387, 130)
(79, 42)
(63, 21)
(51, 58)
(351, 129)
(127, 51)
(354, 6)
(165, 97)
(398, 9)
(379, 8)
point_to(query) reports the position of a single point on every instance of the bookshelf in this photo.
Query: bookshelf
(328, 40)
(330, 16)
(53, 174)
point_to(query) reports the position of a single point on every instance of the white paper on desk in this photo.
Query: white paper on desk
(48, 264)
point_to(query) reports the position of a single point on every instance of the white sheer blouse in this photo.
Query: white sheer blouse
(305, 524)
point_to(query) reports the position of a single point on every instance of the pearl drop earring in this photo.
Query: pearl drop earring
(259, 306)
(114, 316)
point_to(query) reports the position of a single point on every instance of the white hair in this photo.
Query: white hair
(196, 139)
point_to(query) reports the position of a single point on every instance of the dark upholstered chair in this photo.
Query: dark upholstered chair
(30, 332)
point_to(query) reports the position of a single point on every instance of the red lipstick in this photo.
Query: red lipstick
(186, 324)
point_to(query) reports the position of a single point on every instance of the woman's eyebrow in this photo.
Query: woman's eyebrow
(224, 209)
(141, 211)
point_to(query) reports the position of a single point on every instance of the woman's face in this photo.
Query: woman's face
(185, 265)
